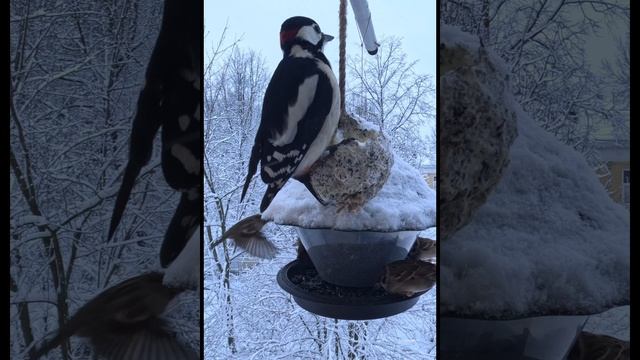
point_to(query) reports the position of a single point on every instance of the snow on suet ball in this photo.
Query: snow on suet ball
(357, 168)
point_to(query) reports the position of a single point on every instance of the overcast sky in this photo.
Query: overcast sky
(257, 24)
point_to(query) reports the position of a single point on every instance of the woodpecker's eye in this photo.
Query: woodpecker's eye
(316, 28)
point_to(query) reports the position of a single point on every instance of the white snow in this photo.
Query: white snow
(405, 202)
(548, 240)
(364, 124)
(613, 322)
(31, 219)
(184, 271)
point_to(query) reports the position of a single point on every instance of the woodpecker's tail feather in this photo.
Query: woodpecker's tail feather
(130, 175)
(253, 166)
(124, 320)
(145, 126)
(248, 235)
(183, 224)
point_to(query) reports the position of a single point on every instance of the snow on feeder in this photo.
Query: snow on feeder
(539, 244)
(351, 239)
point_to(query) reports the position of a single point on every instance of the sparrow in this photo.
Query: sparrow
(247, 234)
(407, 277)
(123, 322)
(424, 249)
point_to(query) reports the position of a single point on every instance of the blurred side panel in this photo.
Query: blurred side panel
(78, 72)
(534, 179)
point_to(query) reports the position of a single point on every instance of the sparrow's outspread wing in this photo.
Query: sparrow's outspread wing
(248, 235)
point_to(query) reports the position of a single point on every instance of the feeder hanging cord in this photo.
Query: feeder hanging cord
(343, 49)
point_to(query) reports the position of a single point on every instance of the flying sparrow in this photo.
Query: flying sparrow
(423, 249)
(123, 322)
(407, 277)
(248, 235)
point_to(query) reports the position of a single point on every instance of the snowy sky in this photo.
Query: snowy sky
(257, 23)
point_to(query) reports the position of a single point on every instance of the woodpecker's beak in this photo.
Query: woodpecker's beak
(326, 38)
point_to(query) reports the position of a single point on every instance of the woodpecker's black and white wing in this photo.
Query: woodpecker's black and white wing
(299, 99)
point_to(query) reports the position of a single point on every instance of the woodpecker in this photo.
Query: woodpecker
(300, 110)
(171, 99)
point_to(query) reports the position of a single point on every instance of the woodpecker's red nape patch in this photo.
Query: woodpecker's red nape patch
(285, 36)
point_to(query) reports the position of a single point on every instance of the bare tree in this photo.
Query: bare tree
(543, 44)
(618, 78)
(233, 91)
(387, 91)
(76, 70)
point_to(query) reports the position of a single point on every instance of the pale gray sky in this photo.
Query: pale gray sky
(257, 23)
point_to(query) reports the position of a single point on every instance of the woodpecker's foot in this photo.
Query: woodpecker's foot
(306, 180)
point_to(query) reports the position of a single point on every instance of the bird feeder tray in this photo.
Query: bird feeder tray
(539, 337)
(317, 296)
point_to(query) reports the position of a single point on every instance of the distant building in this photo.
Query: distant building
(243, 263)
(429, 174)
(615, 154)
